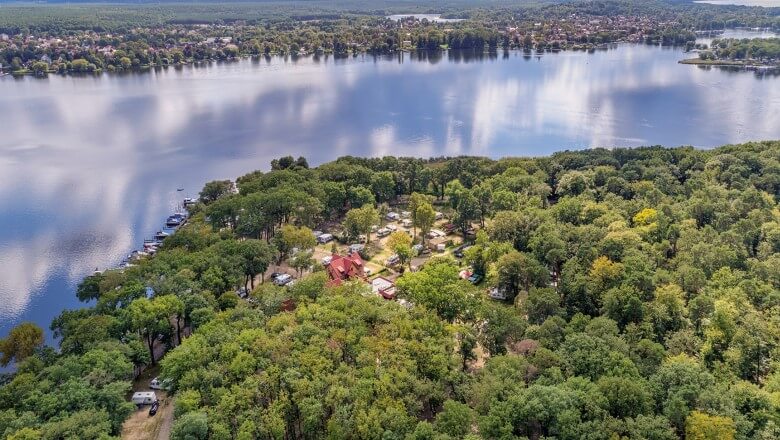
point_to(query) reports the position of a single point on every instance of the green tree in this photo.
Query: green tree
(438, 288)
(542, 304)
(191, 426)
(290, 237)
(257, 256)
(21, 343)
(383, 186)
(424, 218)
(150, 318)
(361, 220)
(455, 419)
(518, 271)
(702, 426)
(214, 190)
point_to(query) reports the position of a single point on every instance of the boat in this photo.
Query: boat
(151, 244)
(174, 221)
(160, 235)
(180, 189)
(189, 201)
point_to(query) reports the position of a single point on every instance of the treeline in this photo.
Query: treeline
(642, 293)
(763, 49)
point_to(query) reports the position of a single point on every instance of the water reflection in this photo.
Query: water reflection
(90, 164)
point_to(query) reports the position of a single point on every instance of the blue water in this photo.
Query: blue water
(90, 165)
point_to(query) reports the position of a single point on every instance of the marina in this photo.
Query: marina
(152, 245)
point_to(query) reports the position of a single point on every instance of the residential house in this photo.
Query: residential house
(345, 268)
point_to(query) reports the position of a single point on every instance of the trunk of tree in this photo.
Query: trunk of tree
(178, 328)
(150, 344)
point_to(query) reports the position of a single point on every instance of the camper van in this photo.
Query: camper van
(324, 238)
(144, 398)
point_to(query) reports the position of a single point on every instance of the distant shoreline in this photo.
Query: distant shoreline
(730, 63)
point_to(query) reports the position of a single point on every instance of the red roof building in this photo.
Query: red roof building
(383, 287)
(345, 268)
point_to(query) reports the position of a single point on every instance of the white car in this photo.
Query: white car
(326, 260)
(283, 279)
(160, 384)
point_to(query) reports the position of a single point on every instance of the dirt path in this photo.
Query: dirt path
(164, 433)
(140, 425)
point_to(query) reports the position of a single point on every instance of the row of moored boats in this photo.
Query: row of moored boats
(152, 245)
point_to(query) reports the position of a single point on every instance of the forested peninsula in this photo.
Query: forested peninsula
(597, 294)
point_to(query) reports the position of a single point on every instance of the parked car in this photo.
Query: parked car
(283, 279)
(384, 232)
(392, 216)
(160, 384)
(326, 260)
(475, 278)
(458, 252)
(357, 247)
(497, 293)
(393, 260)
(153, 409)
(392, 228)
(367, 271)
(406, 223)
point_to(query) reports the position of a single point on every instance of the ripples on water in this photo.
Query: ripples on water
(90, 165)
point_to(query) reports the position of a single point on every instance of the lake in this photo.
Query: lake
(91, 165)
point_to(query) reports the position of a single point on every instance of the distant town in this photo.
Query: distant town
(79, 48)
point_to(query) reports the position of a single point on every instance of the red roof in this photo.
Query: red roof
(343, 268)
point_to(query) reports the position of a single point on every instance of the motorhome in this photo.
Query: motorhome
(144, 398)
(325, 238)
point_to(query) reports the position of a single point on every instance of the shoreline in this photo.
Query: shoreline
(730, 63)
(583, 48)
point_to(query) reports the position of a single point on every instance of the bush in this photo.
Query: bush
(191, 426)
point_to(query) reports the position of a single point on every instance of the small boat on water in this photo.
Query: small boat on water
(189, 201)
(160, 235)
(180, 189)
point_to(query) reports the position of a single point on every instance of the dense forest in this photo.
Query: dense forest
(641, 286)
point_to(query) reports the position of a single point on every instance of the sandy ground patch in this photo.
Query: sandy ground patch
(141, 426)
